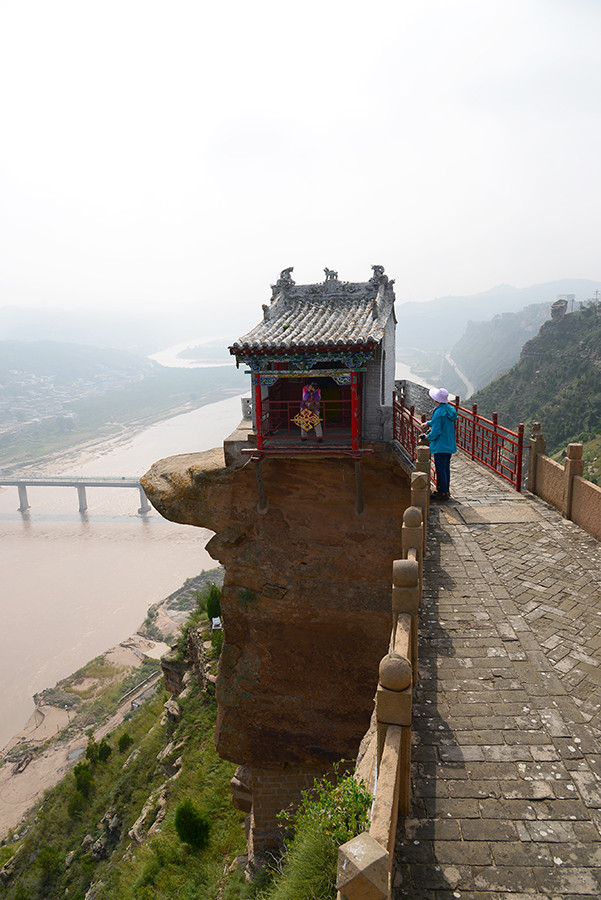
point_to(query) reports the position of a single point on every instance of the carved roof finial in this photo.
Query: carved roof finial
(331, 275)
(284, 281)
(378, 277)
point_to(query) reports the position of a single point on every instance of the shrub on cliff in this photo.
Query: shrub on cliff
(84, 781)
(192, 825)
(124, 742)
(214, 602)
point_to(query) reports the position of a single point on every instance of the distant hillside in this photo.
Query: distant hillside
(488, 349)
(556, 382)
(54, 396)
(438, 324)
(68, 362)
(127, 331)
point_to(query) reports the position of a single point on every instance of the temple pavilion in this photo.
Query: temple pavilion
(322, 365)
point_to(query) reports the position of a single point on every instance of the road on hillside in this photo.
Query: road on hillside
(470, 389)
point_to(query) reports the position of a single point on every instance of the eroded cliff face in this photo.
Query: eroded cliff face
(306, 601)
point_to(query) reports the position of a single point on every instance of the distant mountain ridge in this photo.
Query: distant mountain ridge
(557, 381)
(440, 323)
(140, 334)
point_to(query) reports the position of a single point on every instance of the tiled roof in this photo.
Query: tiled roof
(330, 314)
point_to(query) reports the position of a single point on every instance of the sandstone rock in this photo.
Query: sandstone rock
(99, 848)
(173, 710)
(165, 753)
(157, 802)
(241, 787)
(132, 756)
(306, 603)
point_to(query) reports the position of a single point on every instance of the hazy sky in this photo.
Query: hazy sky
(157, 155)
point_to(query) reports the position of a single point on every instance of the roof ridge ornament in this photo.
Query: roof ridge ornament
(284, 281)
(378, 277)
(331, 275)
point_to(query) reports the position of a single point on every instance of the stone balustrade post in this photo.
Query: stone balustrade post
(420, 497)
(538, 447)
(573, 466)
(422, 462)
(362, 869)
(412, 535)
(407, 597)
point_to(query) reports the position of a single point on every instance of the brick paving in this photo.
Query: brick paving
(507, 715)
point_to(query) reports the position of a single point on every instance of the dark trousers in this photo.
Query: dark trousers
(442, 464)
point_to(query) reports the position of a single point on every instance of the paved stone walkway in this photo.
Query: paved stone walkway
(507, 715)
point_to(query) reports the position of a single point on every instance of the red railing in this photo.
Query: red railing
(406, 427)
(484, 440)
(496, 447)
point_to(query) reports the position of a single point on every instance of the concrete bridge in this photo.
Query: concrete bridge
(506, 761)
(80, 484)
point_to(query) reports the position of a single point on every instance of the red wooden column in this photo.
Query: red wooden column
(258, 410)
(354, 412)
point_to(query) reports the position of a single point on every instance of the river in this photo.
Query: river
(72, 585)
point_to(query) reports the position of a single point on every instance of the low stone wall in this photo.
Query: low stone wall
(550, 481)
(563, 486)
(586, 506)
(415, 395)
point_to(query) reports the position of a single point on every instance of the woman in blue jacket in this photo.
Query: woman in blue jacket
(441, 437)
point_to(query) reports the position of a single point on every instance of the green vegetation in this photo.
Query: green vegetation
(330, 814)
(213, 604)
(58, 856)
(147, 814)
(591, 453)
(192, 825)
(199, 616)
(556, 382)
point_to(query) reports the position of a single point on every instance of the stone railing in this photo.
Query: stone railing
(563, 485)
(365, 863)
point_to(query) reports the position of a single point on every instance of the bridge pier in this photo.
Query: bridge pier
(83, 500)
(144, 504)
(23, 501)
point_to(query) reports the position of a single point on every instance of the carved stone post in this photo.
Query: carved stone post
(412, 534)
(573, 465)
(420, 496)
(407, 598)
(538, 446)
(362, 869)
(422, 463)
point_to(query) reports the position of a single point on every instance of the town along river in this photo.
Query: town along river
(72, 586)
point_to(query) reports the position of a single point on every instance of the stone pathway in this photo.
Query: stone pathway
(507, 715)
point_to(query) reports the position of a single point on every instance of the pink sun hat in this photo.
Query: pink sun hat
(439, 395)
